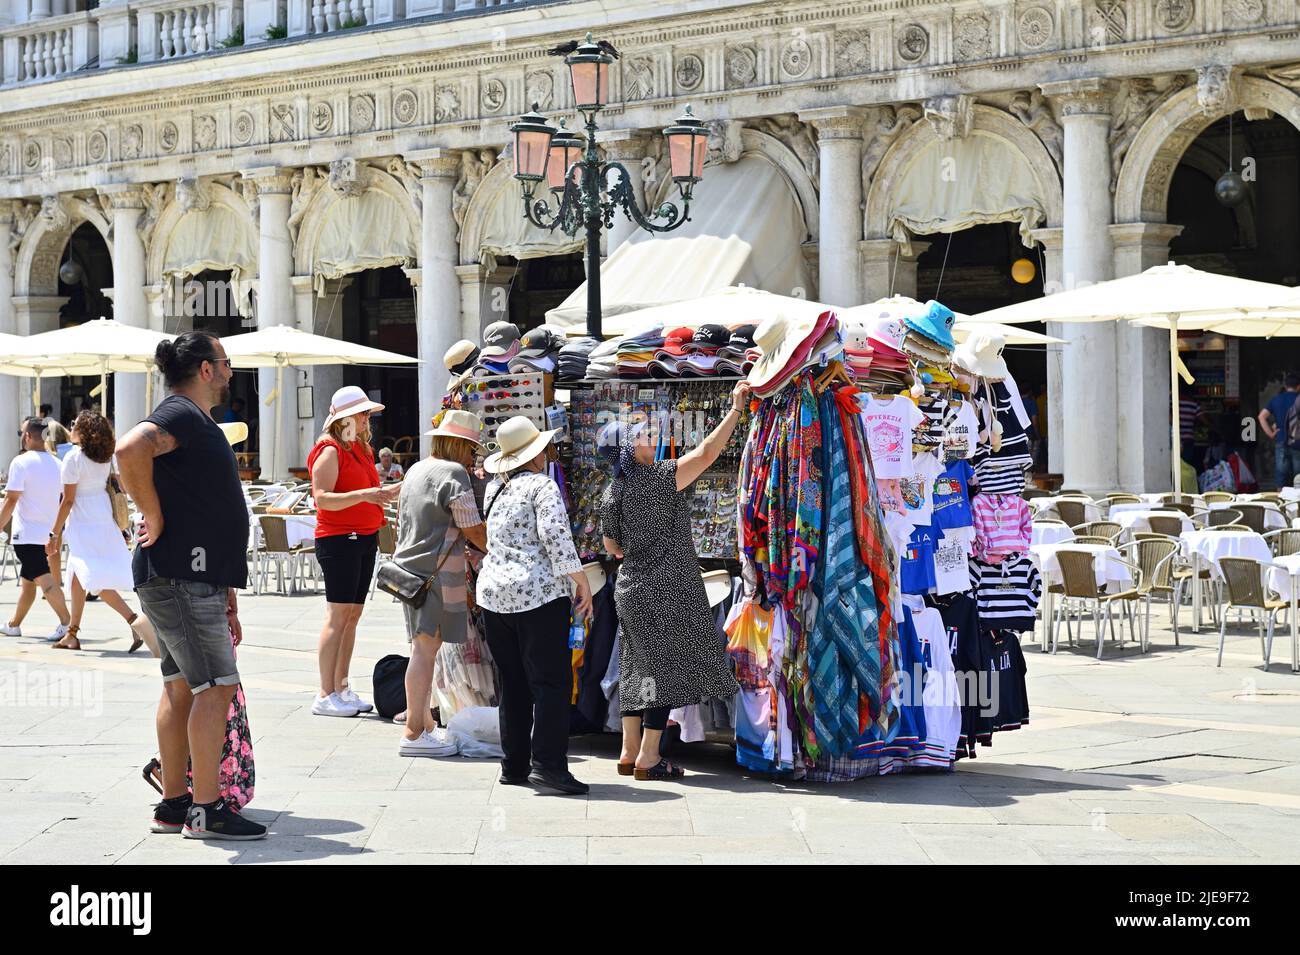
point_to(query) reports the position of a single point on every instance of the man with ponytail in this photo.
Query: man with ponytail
(189, 566)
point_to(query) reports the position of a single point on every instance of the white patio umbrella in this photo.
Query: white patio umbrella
(284, 346)
(1172, 296)
(35, 368)
(734, 305)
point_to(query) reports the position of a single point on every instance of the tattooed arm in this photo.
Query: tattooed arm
(135, 453)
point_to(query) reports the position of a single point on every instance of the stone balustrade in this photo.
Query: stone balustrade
(48, 48)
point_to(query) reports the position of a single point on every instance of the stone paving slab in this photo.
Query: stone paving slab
(1136, 759)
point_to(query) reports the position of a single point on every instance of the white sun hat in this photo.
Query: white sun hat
(350, 400)
(520, 442)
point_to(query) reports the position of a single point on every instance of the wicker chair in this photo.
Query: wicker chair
(1186, 507)
(1070, 492)
(1189, 499)
(1168, 526)
(1223, 516)
(1244, 579)
(1122, 497)
(1073, 512)
(1157, 557)
(1253, 515)
(1093, 539)
(275, 549)
(1218, 497)
(1079, 577)
(1032, 492)
(1284, 542)
(1108, 529)
(1273, 497)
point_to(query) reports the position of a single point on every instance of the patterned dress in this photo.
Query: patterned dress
(670, 653)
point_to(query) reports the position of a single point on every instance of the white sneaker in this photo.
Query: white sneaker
(59, 633)
(332, 706)
(428, 745)
(9, 631)
(348, 696)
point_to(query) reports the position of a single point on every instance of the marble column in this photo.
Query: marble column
(484, 297)
(438, 320)
(626, 147)
(839, 137)
(129, 305)
(275, 306)
(11, 388)
(1143, 366)
(1091, 390)
(1050, 239)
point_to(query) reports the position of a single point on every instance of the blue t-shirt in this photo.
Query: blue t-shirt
(1279, 407)
(916, 569)
(951, 496)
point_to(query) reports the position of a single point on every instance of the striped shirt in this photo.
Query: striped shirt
(1007, 593)
(1188, 410)
(1003, 524)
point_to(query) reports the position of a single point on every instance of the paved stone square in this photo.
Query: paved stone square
(1136, 759)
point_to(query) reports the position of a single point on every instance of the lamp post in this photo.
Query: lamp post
(580, 182)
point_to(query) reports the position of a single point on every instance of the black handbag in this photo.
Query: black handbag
(411, 589)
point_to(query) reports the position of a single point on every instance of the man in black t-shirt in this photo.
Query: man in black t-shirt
(190, 563)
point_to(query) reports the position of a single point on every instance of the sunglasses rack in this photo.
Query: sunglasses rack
(499, 398)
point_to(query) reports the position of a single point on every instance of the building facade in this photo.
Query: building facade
(311, 154)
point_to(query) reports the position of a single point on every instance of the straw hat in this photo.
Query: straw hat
(981, 354)
(235, 431)
(458, 424)
(350, 400)
(520, 442)
(779, 337)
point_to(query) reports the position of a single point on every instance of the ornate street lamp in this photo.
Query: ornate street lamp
(587, 190)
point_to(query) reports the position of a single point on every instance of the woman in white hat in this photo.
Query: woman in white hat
(526, 607)
(349, 512)
(436, 514)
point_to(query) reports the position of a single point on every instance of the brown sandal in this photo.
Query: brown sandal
(659, 771)
(70, 635)
(136, 641)
(626, 769)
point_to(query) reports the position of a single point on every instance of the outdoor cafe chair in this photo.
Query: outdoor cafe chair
(1168, 526)
(1157, 557)
(1218, 518)
(1079, 576)
(1244, 579)
(275, 549)
(1218, 497)
(1093, 539)
(1284, 542)
(1108, 529)
(1072, 512)
(1253, 515)
(1122, 497)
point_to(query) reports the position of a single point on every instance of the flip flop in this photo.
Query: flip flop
(662, 770)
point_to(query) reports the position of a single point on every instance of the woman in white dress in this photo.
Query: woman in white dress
(98, 558)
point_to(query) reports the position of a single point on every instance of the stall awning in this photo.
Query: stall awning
(213, 238)
(370, 231)
(746, 228)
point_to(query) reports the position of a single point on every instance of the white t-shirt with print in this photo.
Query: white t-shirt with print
(962, 437)
(888, 423)
(36, 475)
(951, 552)
(918, 490)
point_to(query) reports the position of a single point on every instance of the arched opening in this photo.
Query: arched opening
(1255, 239)
(85, 271)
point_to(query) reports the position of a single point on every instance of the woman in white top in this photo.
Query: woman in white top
(98, 559)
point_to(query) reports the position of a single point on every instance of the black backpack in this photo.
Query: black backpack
(389, 685)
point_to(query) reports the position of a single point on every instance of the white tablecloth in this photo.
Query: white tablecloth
(1289, 493)
(1273, 519)
(1125, 506)
(1158, 498)
(1043, 533)
(1136, 520)
(1213, 545)
(1279, 580)
(1106, 561)
(299, 528)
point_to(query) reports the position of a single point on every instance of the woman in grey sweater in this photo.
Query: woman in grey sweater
(436, 514)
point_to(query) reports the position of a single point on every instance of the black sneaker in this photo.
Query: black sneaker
(218, 821)
(513, 780)
(563, 782)
(169, 815)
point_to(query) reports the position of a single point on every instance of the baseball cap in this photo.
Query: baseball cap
(675, 341)
(709, 338)
(500, 338)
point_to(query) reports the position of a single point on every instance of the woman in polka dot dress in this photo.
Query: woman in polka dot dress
(670, 653)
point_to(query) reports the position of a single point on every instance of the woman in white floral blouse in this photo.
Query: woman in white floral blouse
(526, 607)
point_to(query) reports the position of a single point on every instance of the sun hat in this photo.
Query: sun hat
(500, 339)
(935, 323)
(350, 400)
(520, 442)
(460, 356)
(235, 431)
(454, 423)
(981, 354)
(779, 337)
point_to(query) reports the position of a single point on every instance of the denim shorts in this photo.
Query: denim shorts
(193, 632)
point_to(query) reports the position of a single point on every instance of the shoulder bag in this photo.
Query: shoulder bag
(117, 497)
(411, 589)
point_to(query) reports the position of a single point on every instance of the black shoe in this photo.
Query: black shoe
(169, 815)
(513, 780)
(218, 821)
(564, 782)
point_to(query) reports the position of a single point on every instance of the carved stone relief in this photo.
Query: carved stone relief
(205, 132)
(408, 174)
(1175, 15)
(1213, 88)
(361, 113)
(725, 144)
(303, 187)
(1033, 109)
(169, 137)
(446, 104)
(972, 40)
(1035, 28)
(638, 79)
(1108, 22)
(799, 137)
(347, 178)
(951, 116)
(475, 164)
(405, 107)
(689, 72)
(852, 52)
(890, 123)
(192, 195)
(913, 43)
(540, 89)
(243, 128)
(741, 66)
(1138, 98)
(284, 123)
(96, 148)
(322, 118)
(494, 95)
(796, 58)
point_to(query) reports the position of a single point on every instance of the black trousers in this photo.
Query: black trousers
(652, 718)
(532, 654)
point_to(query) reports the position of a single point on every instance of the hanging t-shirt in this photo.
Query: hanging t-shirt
(951, 496)
(918, 490)
(916, 569)
(1007, 592)
(961, 431)
(970, 658)
(951, 554)
(940, 699)
(1007, 673)
(888, 423)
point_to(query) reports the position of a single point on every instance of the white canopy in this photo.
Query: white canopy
(736, 305)
(369, 231)
(213, 238)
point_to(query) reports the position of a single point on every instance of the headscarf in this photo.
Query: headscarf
(617, 445)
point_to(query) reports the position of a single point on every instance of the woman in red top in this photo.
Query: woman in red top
(349, 513)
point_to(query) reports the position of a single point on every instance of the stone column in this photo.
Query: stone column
(1090, 387)
(626, 147)
(275, 306)
(1050, 239)
(129, 306)
(1143, 366)
(11, 403)
(888, 269)
(839, 136)
(439, 317)
(484, 297)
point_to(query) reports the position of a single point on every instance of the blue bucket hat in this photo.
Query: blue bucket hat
(935, 323)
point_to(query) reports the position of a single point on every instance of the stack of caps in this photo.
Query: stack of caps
(732, 358)
(603, 359)
(888, 371)
(637, 350)
(537, 350)
(572, 360)
(668, 357)
(928, 337)
(789, 345)
(701, 359)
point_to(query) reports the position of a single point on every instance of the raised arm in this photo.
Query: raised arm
(135, 453)
(695, 462)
